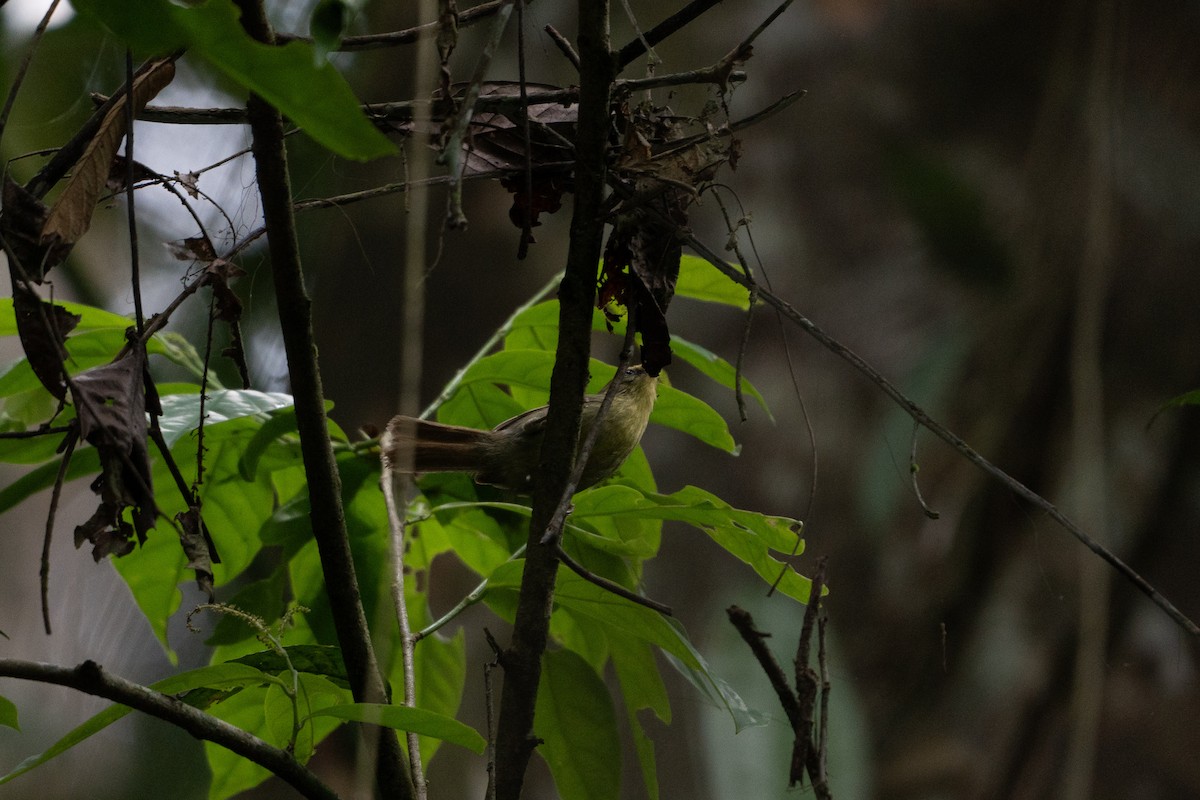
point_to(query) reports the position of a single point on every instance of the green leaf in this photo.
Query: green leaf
(181, 412)
(90, 318)
(323, 660)
(85, 350)
(282, 421)
(1191, 398)
(574, 718)
(479, 405)
(218, 676)
(266, 712)
(638, 622)
(716, 368)
(641, 688)
(748, 535)
(326, 25)
(700, 280)
(8, 714)
(85, 461)
(683, 412)
(415, 720)
(307, 90)
(719, 693)
(441, 676)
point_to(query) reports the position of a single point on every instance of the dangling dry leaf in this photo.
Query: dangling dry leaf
(71, 214)
(43, 328)
(21, 224)
(110, 403)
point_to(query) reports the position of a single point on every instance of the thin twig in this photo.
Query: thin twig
(526, 138)
(490, 706)
(134, 262)
(563, 44)
(920, 416)
(472, 597)
(327, 514)
(375, 41)
(50, 431)
(397, 525)
(68, 448)
(611, 586)
(452, 151)
(755, 640)
(913, 469)
(661, 31)
(23, 68)
(405, 110)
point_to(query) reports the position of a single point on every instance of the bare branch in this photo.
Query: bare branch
(90, 678)
(921, 417)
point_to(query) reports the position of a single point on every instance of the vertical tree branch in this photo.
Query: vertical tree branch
(522, 660)
(324, 483)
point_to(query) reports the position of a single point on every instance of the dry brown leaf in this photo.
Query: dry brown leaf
(72, 212)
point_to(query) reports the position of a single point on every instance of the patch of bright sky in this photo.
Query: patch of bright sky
(21, 17)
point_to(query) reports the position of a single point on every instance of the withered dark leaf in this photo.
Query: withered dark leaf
(548, 189)
(197, 248)
(21, 224)
(107, 533)
(120, 174)
(111, 406)
(71, 214)
(189, 181)
(43, 328)
(193, 537)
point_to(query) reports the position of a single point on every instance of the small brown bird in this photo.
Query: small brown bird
(508, 455)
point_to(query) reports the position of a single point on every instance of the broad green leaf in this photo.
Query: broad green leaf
(582, 636)
(181, 412)
(308, 91)
(717, 691)
(641, 688)
(90, 318)
(574, 718)
(716, 368)
(415, 720)
(531, 369)
(85, 350)
(700, 280)
(218, 676)
(282, 421)
(85, 461)
(441, 677)
(683, 412)
(250, 710)
(639, 622)
(479, 405)
(8, 714)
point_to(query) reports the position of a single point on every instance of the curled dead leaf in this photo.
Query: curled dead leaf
(71, 214)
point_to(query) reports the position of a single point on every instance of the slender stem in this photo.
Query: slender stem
(324, 482)
(522, 659)
(134, 262)
(611, 586)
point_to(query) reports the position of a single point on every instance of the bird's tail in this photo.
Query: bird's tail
(417, 445)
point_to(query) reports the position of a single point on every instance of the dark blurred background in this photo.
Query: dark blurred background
(996, 204)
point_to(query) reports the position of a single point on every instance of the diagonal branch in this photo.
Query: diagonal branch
(919, 416)
(90, 678)
(523, 658)
(324, 482)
